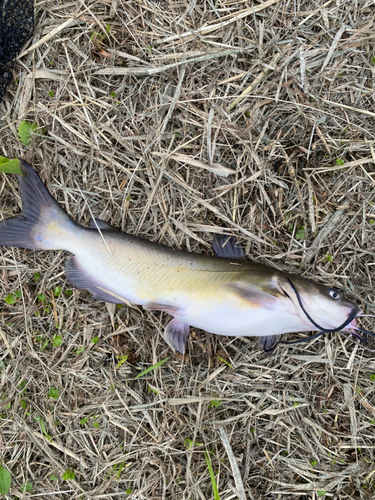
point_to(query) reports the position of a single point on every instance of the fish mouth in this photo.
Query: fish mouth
(356, 331)
(354, 313)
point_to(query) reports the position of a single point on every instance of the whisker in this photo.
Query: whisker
(355, 340)
(363, 340)
(364, 331)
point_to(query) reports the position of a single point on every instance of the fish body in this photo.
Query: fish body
(225, 296)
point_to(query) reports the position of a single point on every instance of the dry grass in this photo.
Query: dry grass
(174, 126)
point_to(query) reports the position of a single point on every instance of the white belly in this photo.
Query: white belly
(259, 322)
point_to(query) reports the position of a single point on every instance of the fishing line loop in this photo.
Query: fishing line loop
(322, 330)
(325, 330)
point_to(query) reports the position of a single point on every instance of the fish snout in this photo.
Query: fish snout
(354, 313)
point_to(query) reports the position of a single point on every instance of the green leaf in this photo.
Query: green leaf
(25, 130)
(339, 161)
(53, 393)
(121, 359)
(9, 166)
(5, 480)
(212, 476)
(321, 493)
(300, 233)
(226, 362)
(44, 345)
(191, 443)
(10, 299)
(151, 389)
(95, 340)
(69, 474)
(57, 291)
(215, 403)
(84, 421)
(80, 350)
(26, 487)
(57, 340)
(53, 478)
(42, 426)
(150, 368)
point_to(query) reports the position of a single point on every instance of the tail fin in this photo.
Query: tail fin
(41, 221)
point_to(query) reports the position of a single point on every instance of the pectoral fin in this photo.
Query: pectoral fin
(253, 295)
(266, 343)
(176, 334)
(155, 306)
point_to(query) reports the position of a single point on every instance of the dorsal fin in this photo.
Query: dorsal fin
(227, 247)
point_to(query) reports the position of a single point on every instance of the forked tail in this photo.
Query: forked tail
(42, 224)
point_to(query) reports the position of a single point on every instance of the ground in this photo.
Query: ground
(175, 121)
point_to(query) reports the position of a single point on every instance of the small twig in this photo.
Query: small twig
(160, 69)
(233, 18)
(93, 219)
(233, 463)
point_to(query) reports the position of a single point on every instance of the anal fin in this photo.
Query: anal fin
(176, 334)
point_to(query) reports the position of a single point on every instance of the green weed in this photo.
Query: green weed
(5, 480)
(212, 476)
(153, 367)
(25, 131)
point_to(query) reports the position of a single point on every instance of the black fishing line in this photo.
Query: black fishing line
(322, 330)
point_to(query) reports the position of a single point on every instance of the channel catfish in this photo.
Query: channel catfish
(224, 295)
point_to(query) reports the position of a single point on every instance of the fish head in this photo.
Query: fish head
(325, 305)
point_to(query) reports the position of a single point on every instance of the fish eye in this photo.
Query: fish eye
(334, 293)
